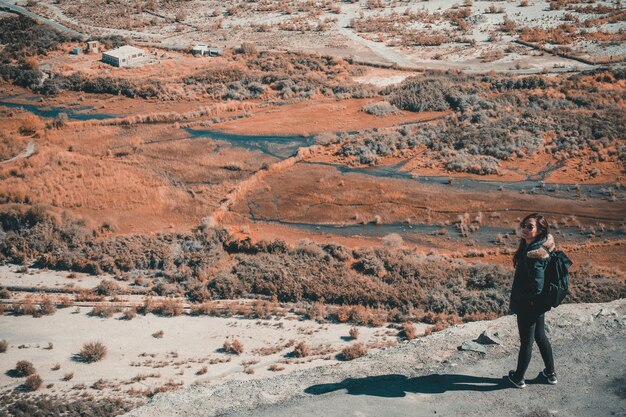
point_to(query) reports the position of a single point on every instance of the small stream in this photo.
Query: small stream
(50, 112)
(281, 147)
(562, 191)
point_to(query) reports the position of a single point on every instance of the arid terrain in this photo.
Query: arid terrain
(342, 178)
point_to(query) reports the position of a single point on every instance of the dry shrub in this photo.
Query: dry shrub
(342, 314)
(408, 330)
(88, 296)
(27, 307)
(148, 306)
(202, 371)
(436, 328)
(56, 367)
(207, 308)
(30, 125)
(107, 287)
(301, 350)
(275, 367)
(235, 347)
(360, 315)
(317, 312)
(24, 368)
(392, 240)
(352, 352)
(170, 307)
(104, 311)
(92, 352)
(354, 333)
(3, 346)
(263, 309)
(33, 382)
(247, 48)
(68, 376)
(47, 307)
(65, 302)
(158, 335)
(130, 313)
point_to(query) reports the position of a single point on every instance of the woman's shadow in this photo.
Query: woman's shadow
(394, 385)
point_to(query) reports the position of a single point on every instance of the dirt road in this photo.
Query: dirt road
(11, 6)
(431, 376)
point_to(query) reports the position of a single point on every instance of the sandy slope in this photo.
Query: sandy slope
(431, 376)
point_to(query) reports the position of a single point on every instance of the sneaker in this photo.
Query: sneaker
(518, 383)
(550, 378)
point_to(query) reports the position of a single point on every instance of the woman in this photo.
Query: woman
(530, 263)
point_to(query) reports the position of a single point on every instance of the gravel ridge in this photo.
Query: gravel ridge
(569, 327)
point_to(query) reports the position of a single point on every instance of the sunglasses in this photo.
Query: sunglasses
(528, 226)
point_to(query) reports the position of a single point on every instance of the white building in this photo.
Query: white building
(93, 47)
(124, 56)
(200, 50)
(204, 50)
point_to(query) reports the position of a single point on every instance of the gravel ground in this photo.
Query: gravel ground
(431, 376)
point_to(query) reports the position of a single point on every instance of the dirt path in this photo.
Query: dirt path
(30, 149)
(380, 49)
(10, 5)
(430, 376)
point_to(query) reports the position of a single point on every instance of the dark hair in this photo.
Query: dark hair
(542, 228)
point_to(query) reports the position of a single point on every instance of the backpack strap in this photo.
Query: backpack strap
(544, 251)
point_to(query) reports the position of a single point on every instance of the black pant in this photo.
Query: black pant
(531, 327)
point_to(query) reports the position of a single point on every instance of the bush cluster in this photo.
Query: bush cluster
(367, 279)
(23, 37)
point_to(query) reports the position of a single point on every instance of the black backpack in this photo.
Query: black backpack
(556, 279)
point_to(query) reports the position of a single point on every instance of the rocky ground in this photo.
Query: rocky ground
(434, 375)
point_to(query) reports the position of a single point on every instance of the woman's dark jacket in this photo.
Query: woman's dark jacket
(529, 278)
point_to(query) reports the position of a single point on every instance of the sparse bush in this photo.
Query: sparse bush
(247, 48)
(354, 351)
(47, 307)
(130, 313)
(202, 370)
(382, 109)
(392, 240)
(354, 333)
(33, 382)
(24, 368)
(317, 311)
(107, 287)
(68, 376)
(158, 335)
(235, 347)
(92, 352)
(104, 311)
(3, 346)
(301, 350)
(170, 307)
(408, 331)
